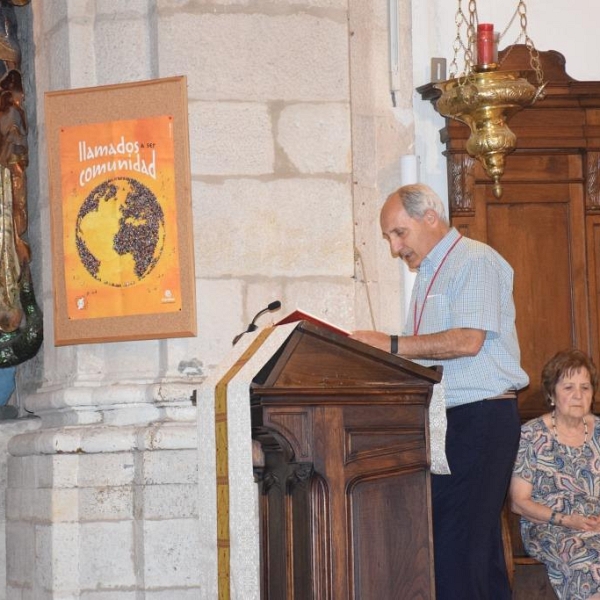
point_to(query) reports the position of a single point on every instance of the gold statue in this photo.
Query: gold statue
(14, 251)
(20, 318)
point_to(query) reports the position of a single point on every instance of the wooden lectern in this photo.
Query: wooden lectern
(344, 480)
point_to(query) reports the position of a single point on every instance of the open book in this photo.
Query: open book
(301, 315)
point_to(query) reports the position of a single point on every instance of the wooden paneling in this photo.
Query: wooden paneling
(382, 566)
(539, 227)
(543, 242)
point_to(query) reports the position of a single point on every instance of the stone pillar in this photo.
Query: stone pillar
(102, 487)
(97, 511)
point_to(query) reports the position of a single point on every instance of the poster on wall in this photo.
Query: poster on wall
(122, 244)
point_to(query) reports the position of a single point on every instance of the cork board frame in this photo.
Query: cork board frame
(120, 211)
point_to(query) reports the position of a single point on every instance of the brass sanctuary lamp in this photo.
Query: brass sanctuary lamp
(484, 97)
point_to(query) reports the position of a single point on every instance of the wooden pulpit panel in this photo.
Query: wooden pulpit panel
(345, 483)
(391, 537)
(316, 357)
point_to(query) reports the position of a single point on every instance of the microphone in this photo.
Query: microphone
(253, 326)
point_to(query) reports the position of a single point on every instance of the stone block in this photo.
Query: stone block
(332, 301)
(257, 56)
(170, 501)
(125, 46)
(129, 10)
(171, 466)
(107, 555)
(131, 360)
(41, 504)
(62, 505)
(21, 471)
(167, 435)
(16, 503)
(291, 228)
(220, 305)
(316, 137)
(53, 16)
(231, 139)
(105, 503)
(81, 48)
(368, 44)
(365, 143)
(171, 553)
(58, 471)
(184, 361)
(97, 470)
(174, 594)
(57, 556)
(20, 553)
(115, 595)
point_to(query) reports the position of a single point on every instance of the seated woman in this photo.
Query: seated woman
(556, 479)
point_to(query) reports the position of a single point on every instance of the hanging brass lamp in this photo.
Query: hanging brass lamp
(485, 97)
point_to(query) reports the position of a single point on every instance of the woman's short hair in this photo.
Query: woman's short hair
(418, 198)
(564, 363)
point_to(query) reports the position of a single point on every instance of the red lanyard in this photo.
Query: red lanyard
(417, 323)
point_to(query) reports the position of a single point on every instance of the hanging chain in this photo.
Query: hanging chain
(534, 55)
(459, 44)
(466, 44)
(510, 23)
(471, 36)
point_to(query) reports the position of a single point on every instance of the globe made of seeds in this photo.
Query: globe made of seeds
(120, 232)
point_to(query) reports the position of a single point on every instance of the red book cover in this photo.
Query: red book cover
(300, 315)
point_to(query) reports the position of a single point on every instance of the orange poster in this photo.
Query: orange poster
(119, 218)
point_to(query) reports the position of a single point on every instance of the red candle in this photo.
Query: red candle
(485, 43)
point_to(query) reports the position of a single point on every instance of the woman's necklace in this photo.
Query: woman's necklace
(585, 427)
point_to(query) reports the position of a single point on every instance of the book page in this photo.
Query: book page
(301, 315)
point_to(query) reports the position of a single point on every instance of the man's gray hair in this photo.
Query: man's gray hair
(418, 198)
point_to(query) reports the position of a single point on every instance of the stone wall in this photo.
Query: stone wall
(293, 144)
(99, 514)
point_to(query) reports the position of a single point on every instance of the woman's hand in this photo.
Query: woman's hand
(581, 522)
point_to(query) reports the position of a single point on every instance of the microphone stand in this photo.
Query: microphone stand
(253, 326)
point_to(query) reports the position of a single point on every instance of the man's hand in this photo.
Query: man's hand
(453, 343)
(373, 338)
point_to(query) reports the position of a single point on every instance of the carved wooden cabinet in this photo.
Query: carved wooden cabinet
(345, 491)
(547, 222)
